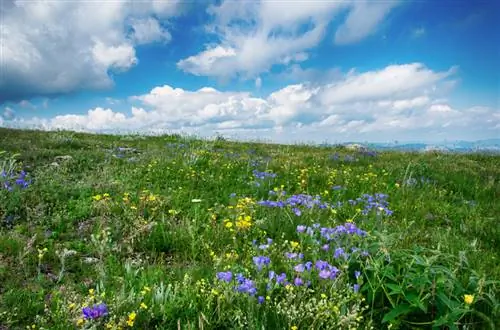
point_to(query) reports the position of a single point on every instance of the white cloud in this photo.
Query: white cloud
(57, 47)
(253, 37)
(8, 113)
(258, 83)
(149, 30)
(363, 20)
(397, 102)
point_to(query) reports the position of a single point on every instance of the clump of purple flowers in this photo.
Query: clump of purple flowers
(295, 202)
(11, 180)
(263, 175)
(261, 261)
(376, 202)
(243, 284)
(95, 311)
(331, 233)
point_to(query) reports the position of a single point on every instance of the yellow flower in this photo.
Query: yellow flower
(143, 306)
(323, 296)
(294, 244)
(228, 224)
(72, 305)
(131, 319)
(468, 299)
(97, 197)
(91, 292)
(80, 322)
(294, 327)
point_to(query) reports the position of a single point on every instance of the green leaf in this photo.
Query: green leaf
(395, 289)
(397, 311)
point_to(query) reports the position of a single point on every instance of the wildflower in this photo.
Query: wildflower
(468, 299)
(95, 311)
(80, 322)
(298, 281)
(301, 228)
(131, 319)
(225, 276)
(261, 261)
(143, 306)
(357, 274)
(294, 327)
(247, 286)
(281, 278)
(260, 299)
(339, 252)
(297, 211)
(299, 268)
(355, 288)
(294, 244)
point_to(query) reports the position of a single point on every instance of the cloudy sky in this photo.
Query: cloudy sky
(286, 71)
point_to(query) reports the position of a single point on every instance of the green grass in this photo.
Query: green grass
(156, 224)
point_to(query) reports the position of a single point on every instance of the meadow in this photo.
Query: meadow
(172, 232)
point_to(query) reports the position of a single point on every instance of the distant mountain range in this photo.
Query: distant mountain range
(489, 145)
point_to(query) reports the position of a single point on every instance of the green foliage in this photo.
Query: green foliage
(144, 232)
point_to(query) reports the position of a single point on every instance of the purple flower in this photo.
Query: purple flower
(247, 286)
(225, 276)
(325, 247)
(95, 311)
(355, 288)
(308, 265)
(321, 265)
(281, 278)
(297, 211)
(272, 274)
(260, 299)
(301, 228)
(357, 274)
(291, 255)
(299, 268)
(325, 274)
(298, 281)
(339, 252)
(261, 261)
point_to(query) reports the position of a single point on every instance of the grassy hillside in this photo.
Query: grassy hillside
(172, 233)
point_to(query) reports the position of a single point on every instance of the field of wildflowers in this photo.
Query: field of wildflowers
(119, 232)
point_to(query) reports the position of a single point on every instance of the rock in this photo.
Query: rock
(356, 147)
(63, 158)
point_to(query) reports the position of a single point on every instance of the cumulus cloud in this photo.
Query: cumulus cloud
(362, 20)
(8, 113)
(149, 30)
(57, 47)
(399, 101)
(254, 36)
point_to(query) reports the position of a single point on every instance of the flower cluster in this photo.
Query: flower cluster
(11, 180)
(376, 202)
(295, 202)
(94, 312)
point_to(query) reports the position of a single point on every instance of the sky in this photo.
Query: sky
(282, 71)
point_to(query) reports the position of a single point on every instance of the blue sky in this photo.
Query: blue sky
(285, 71)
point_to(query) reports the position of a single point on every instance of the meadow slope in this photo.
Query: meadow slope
(169, 232)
